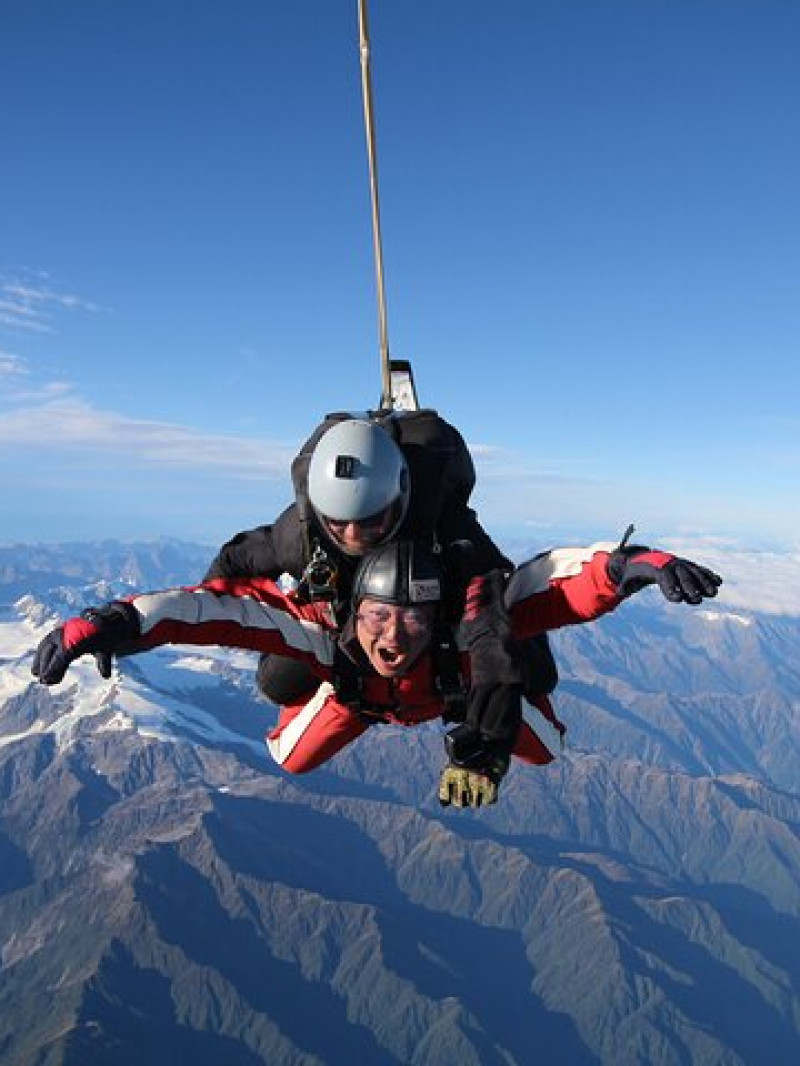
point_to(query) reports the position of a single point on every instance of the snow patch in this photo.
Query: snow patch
(725, 616)
(117, 723)
(14, 641)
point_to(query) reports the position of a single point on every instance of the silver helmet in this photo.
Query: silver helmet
(358, 476)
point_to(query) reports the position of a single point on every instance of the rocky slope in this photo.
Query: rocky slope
(168, 896)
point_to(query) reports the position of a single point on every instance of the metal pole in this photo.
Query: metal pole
(369, 123)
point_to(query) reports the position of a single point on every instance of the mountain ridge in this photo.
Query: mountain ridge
(167, 893)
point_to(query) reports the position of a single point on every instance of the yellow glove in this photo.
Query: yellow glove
(472, 776)
(466, 788)
(483, 789)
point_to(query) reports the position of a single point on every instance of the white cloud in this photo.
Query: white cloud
(545, 493)
(46, 416)
(19, 386)
(503, 464)
(29, 308)
(761, 581)
(11, 366)
(73, 424)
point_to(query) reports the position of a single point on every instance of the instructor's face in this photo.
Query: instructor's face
(360, 537)
(355, 538)
(393, 638)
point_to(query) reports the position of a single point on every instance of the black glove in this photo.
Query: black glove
(680, 580)
(101, 631)
(472, 776)
(494, 704)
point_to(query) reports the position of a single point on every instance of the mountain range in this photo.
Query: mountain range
(168, 895)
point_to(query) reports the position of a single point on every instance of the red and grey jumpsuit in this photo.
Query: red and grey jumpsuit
(567, 586)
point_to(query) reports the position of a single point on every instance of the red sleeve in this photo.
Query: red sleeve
(560, 588)
(250, 613)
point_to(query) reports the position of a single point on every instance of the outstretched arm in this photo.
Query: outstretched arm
(558, 588)
(250, 614)
(572, 585)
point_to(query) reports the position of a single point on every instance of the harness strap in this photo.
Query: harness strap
(448, 677)
(318, 580)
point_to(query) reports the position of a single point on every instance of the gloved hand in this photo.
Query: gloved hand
(100, 631)
(472, 776)
(494, 704)
(680, 580)
(466, 788)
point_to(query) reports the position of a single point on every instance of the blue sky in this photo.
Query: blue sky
(591, 235)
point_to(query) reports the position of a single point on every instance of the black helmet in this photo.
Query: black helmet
(405, 572)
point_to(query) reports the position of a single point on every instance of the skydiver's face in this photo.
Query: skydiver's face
(393, 638)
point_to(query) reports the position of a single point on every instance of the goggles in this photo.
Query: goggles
(414, 620)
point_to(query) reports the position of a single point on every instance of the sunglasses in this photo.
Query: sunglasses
(373, 521)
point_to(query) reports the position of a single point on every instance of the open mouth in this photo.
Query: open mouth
(390, 656)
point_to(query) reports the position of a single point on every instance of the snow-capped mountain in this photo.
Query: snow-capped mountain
(167, 894)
